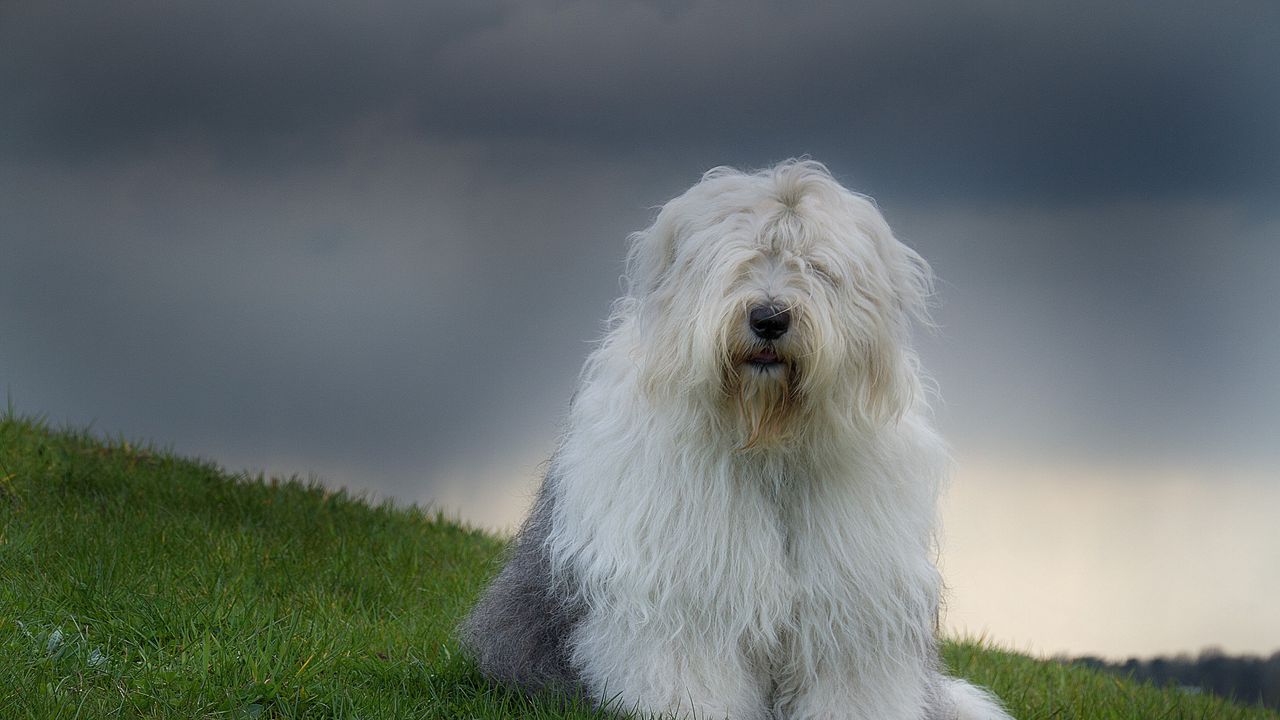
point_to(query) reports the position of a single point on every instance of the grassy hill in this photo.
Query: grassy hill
(134, 583)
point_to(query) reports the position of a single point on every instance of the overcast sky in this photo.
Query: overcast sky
(373, 242)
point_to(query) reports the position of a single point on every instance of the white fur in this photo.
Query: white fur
(730, 568)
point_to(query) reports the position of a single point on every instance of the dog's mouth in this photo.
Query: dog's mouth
(766, 358)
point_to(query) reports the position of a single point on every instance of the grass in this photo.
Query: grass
(138, 584)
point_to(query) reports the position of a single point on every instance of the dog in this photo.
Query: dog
(739, 520)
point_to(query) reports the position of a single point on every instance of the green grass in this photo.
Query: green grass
(134, 583)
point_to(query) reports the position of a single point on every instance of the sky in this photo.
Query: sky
(372, 243)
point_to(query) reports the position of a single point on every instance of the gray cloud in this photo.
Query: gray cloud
(394, 309)
(275, 79)
(1116, 331)
(1077, 101)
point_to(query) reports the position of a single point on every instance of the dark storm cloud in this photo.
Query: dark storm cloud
(1116, 330)
(1080, 99)
(385, 317)
(1076, 100)
(90, 78)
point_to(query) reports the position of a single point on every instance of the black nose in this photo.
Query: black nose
(769, 322)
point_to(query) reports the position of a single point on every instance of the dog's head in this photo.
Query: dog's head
(774, 295)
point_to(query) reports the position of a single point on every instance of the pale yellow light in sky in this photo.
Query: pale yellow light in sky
(1113, 560)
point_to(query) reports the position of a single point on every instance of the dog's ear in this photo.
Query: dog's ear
(651, 252)
(909, 277)
(890, 383)
(905, 282)
(912, 280)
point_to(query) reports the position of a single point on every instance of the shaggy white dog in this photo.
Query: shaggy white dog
(739, 520)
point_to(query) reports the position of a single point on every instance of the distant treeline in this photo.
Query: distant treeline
(1248, 679)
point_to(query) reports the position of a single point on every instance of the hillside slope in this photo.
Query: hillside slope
(134, 583)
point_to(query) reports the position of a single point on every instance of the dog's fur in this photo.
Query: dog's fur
(733, 526)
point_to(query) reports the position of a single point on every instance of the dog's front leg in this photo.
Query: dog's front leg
(854, 691)
(646, 666)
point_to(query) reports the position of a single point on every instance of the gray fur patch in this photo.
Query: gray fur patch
(519, 630)
(938, 705)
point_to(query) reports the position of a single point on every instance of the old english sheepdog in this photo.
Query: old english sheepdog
(739, 520)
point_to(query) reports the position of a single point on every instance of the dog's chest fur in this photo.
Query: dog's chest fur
(754, 549)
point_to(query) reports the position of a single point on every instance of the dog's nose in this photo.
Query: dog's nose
(769, 322)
